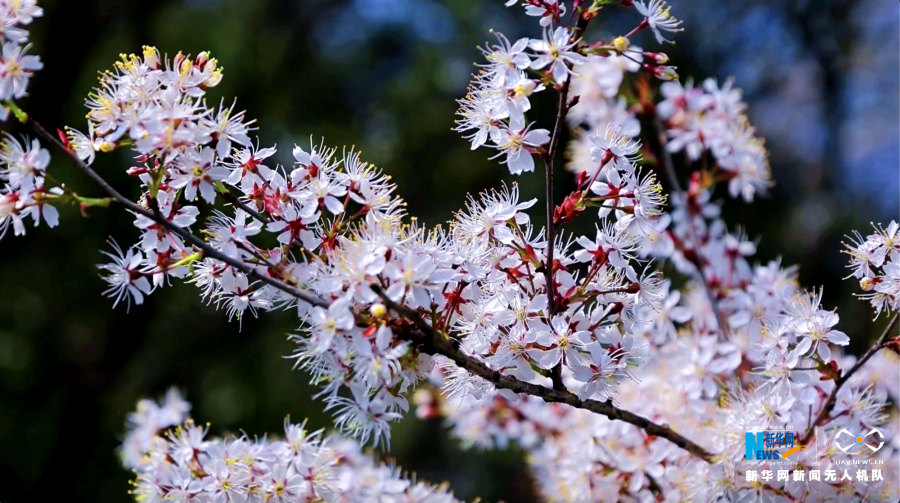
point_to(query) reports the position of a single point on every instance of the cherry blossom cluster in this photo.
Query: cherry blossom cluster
(22, 168)
(479, 281)
(183, 149)
(621, 384)
(16, 66)
(713, 119)
(340, 234)
(597, 87)
(184, 464)
(25, 192)
(740, 348)
(704, 386)
(333, 218)
(771, 350)
(875, 261)
(707, 387)
(500, 94)
(341, 238)
(156, 106)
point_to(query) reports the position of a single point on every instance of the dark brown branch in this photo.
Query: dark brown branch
(434, 342)
(842, 380)
(235, 200)
(562, 109)
(208, 250)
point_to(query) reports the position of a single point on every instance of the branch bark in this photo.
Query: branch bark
(692, 234)
(434, 342)
(842, 380)
(562, 109)
(198, 243)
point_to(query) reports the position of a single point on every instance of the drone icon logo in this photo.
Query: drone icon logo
(858, 440)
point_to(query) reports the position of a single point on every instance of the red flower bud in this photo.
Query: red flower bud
(570, 208)
(893, 345)
(64, 139)
(581, 179)
(829, 371)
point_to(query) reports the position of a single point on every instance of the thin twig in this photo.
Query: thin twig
(208, 250)
(435, 342)
(562, 109)
(842, 380)
(692, 235)
(236, 201)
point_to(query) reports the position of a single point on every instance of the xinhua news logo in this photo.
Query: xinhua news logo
(771, 445)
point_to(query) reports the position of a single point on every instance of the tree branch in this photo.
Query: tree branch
(208, 250)
(434, 342)
(562, 109)
(842, 380)
(692, 235)
(235, 200)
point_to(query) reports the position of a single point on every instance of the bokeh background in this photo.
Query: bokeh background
(821, 77)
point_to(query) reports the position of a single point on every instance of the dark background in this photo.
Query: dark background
(821, 78)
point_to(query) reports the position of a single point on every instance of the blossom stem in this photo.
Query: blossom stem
(208, 250)
(562, 110)
(842, 380)
(18, 112)
(692, 235)
(435, 342)
(102, 202)
(188, 260)
(233, 198)
(643, 24)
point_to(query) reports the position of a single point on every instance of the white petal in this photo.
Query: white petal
(51, 216)
(838, 337)
(537, 137)
(519, 162)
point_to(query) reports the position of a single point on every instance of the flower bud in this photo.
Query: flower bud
(893, 345)
(621, 44)
(570, 208)
(201, 60)
(665, 73)
(7, 204)
(581, 179)
(867, 284)
(151, 57)
(525, 87)
(829, 371)
(185, 67)
(659, 57)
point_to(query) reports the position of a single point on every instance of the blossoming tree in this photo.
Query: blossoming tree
(622, 384)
